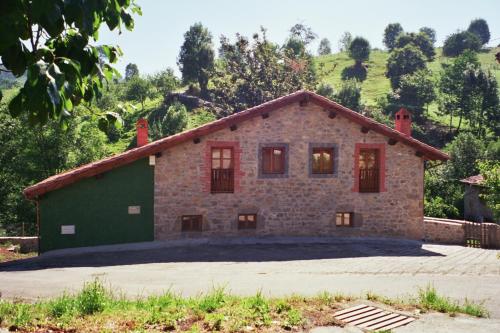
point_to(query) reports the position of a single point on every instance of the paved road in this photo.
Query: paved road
(394, 269)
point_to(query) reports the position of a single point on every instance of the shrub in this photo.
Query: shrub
(212, 301)
(92, 299)
(457, 43)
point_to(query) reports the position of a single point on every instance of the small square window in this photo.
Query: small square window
(191, 222)
(344, 219)
(273, 160)
(247, 221)
(322, 160)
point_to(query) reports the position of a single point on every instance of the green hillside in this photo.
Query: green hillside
(377, 85)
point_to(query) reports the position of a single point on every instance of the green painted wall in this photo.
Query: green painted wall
(98, 208)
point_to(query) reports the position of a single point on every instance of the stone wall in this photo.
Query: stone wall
(298, 204)
(26, 244)
(444, 231)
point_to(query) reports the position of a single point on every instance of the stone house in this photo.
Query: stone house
(300, 165)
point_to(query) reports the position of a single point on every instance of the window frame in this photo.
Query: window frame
(272, 161)
(335, 160)
(284, 147)
(343, 216)
(246, 224)
(193, 220)
(221, 159)
(381, 163)
(322, 170)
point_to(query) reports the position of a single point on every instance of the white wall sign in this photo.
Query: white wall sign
(134, 210)
(152, 159)
(67, 230)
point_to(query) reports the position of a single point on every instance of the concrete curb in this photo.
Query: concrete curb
(222, 241)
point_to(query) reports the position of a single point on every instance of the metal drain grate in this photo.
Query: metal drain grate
(371, 318)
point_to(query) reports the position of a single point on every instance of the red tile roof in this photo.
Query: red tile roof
(473, 180)
(95, 168)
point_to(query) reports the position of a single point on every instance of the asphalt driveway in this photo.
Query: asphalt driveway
(386, 267)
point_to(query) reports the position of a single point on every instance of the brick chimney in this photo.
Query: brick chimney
(402, 121)
(142, 132)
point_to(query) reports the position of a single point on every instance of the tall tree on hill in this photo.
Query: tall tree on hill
(139, 89)
(196, 58)
(391, 33)
(359, 51)
(481, 29)
(324, 47)
(300, 36)
(431, 33)
(131, 70)
(253, 72)
(345, 41)
(468, 92)
(51, 42)
(415, 91)
(406, 60)
(420, 40)
(455, 44)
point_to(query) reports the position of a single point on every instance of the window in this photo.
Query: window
(273, 160)
(344, 219)
(322, 160)
(247, 221)
(191, 222)
(222, 176)
(369, 170)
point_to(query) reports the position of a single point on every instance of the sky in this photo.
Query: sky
(155, 42)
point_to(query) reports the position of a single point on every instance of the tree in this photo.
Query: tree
(324, 47)
(349, 95)
(165, 81)
(490, 170)
(196, 58)
(414, 92)
(457, 43)
(470, 93)
(139, 89)
(303, 33)
(345, 41)
(420, 40)
(326, 90)
(131, 70)
(168, 122)
(391, 33)
(480, 28)
(406, 60)
(431, 33)
(50, 41)
(253, 72)
(32, 153)
(359, 50)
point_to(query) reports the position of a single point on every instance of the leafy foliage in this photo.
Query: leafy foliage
(420, 40)
(51, 42)
(171, 121)
(490, 170)
(253, 72)
(431, 33)
(131, 70)
(391, 33)
(349, 95)
(165, 81)
(324, 47)
(359, 49)
(345, 41)
(139, 89)
(402, 61)
(414, 92)
(470, 93)
(457, 43)
(196, 58)
(480, 28)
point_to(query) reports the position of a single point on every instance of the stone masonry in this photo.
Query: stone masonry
(295, 205)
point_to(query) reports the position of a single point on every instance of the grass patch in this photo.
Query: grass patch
(429, 299)
(96, 308)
